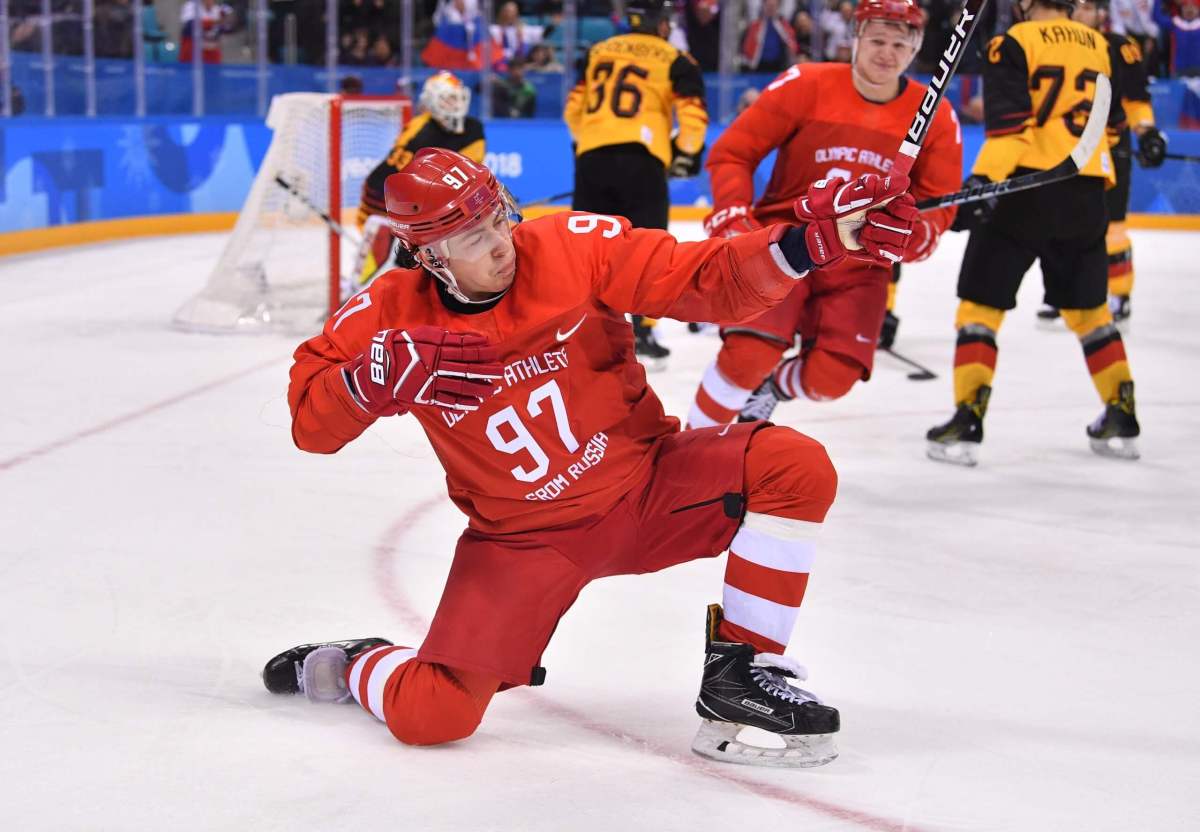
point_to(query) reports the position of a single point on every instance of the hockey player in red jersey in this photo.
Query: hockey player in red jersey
(826, 121)
(508, 343)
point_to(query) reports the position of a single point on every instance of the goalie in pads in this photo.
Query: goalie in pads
(508, 343)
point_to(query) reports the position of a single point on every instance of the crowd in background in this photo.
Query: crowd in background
(526, 36)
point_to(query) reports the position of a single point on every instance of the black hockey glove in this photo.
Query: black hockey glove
(1152, 148)
(971, 215)
(684, 165)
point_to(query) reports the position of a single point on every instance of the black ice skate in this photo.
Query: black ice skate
(958, 440)
(1048, 317)
(649, 352)
(317, 670)
(887, 333)
(743, 689)
(1114, 432)
(1121, 309)
(762, 401)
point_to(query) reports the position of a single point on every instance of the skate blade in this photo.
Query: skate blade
(1050, 324)
(955, 453)
(718, 741)
(1116, 447)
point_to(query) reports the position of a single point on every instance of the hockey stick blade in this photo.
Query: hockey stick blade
(951, 57)
(1089, 140)
(921, 372)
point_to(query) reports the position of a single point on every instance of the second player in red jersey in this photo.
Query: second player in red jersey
(825, 121)
(509, 344)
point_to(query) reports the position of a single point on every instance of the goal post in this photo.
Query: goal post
(282, 266)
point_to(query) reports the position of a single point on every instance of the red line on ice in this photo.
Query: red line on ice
(387, 584)
(126, 418)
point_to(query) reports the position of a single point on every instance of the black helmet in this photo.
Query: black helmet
(645, 14)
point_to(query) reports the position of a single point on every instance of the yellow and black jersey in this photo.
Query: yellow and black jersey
(422, 131)
(1130, 83)
(1038, 82)
(631, 87)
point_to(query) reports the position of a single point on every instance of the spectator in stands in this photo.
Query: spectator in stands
(354, 46)
(769, 44)
(458, 33)
(513, 96)
(381, 52)
(702, 24)
(802, 26)
(542, 59)
(515, 37)
(1136, 19)
(838, 28)
(215, 20)
(1183, 38)
(113, 32)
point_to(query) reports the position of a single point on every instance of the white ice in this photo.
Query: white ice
(1012, 647)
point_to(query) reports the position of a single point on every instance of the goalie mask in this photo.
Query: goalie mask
(452, 214)
(447, 100)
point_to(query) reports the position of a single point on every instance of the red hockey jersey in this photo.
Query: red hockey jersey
(572, 423)
(824, 128)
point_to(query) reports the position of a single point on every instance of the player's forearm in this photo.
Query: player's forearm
(325, 416)
(693, 124)
(742, 277)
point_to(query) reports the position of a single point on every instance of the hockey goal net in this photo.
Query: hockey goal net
(282, 267)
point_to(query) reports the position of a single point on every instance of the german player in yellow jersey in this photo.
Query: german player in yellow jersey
(1130, 85)
(636, 116)
(441, 122)
(1039, 82)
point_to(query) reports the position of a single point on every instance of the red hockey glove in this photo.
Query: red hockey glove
(835, 211)
(889, 229)
(923, 241)
(424, 366)
(730, 222)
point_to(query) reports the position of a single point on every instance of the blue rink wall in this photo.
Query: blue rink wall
(71, 169)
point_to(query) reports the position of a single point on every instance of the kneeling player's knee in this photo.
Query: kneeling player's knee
(789, 474)
(429, 706)
(746, 359)
(825, 376)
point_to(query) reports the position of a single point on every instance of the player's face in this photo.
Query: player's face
(885, 50)
(482, 257)
(1090, 14)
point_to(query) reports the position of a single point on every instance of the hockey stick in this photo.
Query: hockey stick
(1089, 140)
(545, 200)
(1182, 157)
(922, 373)
(951, 57)
(333, 224)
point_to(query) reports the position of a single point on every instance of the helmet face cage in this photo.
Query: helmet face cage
(447, 101)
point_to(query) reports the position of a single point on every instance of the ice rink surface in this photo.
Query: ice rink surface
(1013, 647)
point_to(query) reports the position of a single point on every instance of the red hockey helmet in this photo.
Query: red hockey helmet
(895, 11)
(437, 200)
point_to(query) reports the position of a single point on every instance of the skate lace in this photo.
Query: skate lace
(770, 672)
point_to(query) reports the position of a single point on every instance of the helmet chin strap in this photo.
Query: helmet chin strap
(434, 265)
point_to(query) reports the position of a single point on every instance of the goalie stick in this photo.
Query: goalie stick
(1089, 140)
(333, 224)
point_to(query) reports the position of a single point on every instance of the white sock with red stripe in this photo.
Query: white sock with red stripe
(717, 401)
(370, 672)
(787, 378)
(765, 578)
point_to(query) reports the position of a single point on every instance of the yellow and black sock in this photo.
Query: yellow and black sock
(975, 349)
(1120, 260)
(1103, 349)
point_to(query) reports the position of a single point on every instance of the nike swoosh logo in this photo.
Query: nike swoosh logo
(861, 339)
(562, 336)
(725, 430)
